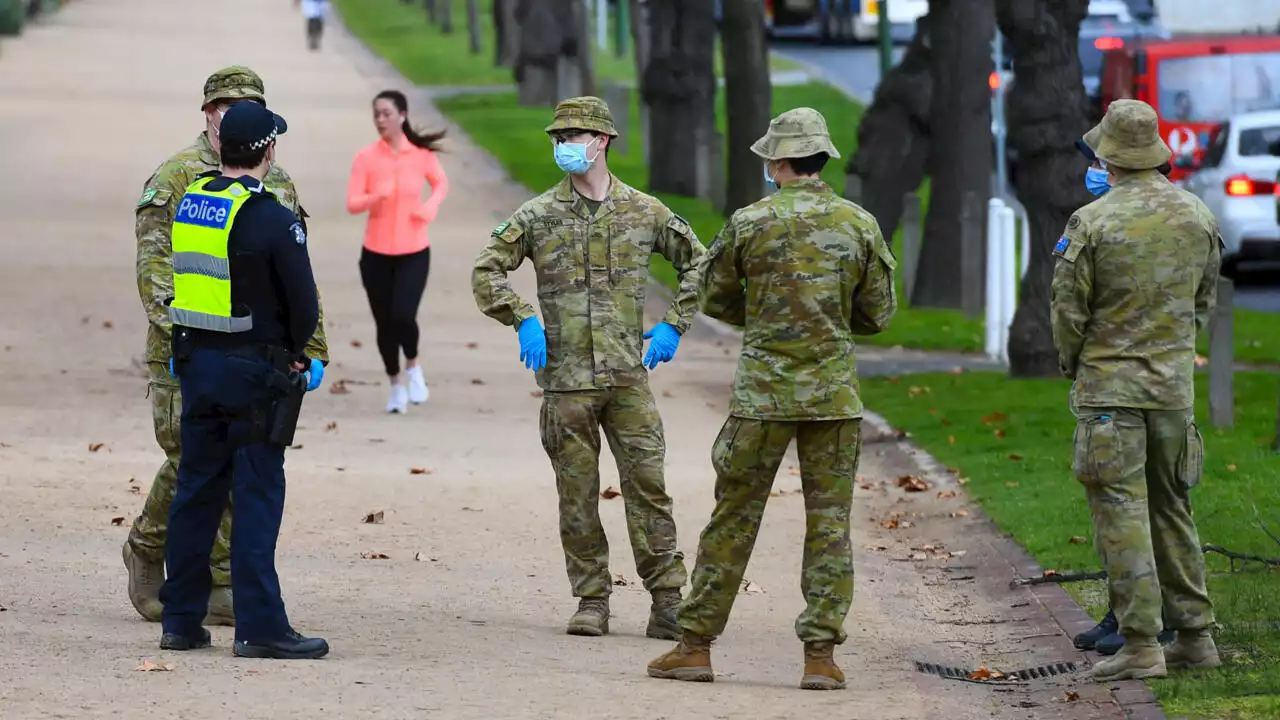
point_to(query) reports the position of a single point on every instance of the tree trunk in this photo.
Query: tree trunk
(1047, 112)
(585, 66)
(893, 136)
(679, 86)
(446, 16)
(953, 254)
(506, 32)
(473, 25)
(433, 12)
(748, 98)
(541, 41)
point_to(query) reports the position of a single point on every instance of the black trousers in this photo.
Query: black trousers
(394, 285)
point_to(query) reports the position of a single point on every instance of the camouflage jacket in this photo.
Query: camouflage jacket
(803, 271)
(1134, 283)
(592, 273)
(153, 224)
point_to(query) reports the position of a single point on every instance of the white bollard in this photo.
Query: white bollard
(994, 293)
(1008, 277)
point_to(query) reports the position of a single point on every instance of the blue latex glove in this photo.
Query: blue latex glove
(315, 375)
(665, 341)
(533, 344)
(171, 369)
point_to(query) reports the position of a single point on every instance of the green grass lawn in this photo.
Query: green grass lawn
(1023, 480)
(400, 33)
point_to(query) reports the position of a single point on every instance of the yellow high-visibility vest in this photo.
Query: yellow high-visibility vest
(201, 268)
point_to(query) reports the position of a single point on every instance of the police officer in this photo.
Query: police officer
(243, 308)
(1135, 282)
(144, 549)
(803, 271)
(589, 239)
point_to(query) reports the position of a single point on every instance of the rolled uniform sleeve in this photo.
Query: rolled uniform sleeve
(507, 249)
(679, 245)
(1071, 289)
(722, 293)
(875, 301)
(292, 265)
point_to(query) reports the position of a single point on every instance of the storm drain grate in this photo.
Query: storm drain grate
(1035, 673)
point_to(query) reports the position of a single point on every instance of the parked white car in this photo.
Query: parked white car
(1237, 179)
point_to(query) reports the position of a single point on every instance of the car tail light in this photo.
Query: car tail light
(1245, 186)
(1108, 43)
(993, 81)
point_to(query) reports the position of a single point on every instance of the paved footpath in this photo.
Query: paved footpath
(465, 616)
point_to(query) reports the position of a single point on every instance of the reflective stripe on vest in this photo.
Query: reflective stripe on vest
(201, 269)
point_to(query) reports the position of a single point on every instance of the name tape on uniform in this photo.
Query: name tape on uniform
(204, 210)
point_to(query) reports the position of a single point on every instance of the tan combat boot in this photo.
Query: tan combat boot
(592, 618)
(820, 671)
(221, 609)
(1191, 650)
(662, 615)
(1139, 658)
(689, 661)
(145, 580)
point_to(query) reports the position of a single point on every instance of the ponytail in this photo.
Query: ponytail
(426, 141)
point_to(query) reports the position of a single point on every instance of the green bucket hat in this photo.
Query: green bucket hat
(234, 83)
(583, 113)
(1129, 137)
(795, 134)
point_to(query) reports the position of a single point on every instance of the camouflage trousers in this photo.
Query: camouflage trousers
(1137, 467)
(746, 457)
(150, 528)
(570, 426)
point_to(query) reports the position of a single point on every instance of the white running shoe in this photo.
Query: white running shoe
(399, 400)
(418, 392)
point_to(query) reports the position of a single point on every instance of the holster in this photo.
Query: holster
(288, 391)
(182, 344)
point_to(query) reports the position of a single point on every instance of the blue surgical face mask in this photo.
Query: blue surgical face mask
(770, 185)
(1097, 181)
(572, 157)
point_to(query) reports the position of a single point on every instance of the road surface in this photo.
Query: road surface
(454, 606)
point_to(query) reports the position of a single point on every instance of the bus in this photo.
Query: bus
(1194, 84)
(841, 21)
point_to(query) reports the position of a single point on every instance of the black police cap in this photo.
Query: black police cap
(250, 125)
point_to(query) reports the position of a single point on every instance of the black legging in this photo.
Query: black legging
(394, 284)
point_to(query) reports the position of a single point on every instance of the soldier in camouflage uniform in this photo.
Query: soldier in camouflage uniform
(803, 271)
(590, 239)
(144, 549)
(1135, 282)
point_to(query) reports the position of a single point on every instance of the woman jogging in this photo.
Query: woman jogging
(386, 180)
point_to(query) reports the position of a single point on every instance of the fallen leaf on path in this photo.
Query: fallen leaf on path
(610, 493)
(473, 345)
(339, 387)
(419, 471)
(95, 447)
(985, 673)
(960, 513)
(117, 521)
(84, 320)
(951, 439)
(913, 483)
(1232, 467)
(107, 324)
(1050, 573)
(945, 494)
(331, 427)
(994, 417)
(915, 390)
(891, 524)
(356, 344)
(1077, 540)
(1070, 696)
(999, 434)
(875, 548)
(417, 557)
(931, 548)
(1011, 484)
(963, 481)
(148, 666)
(794, 470)
(470, 509)
(919, 556)
(1015, 457)
(135, 490)
(296, 447)
(373, 518)
(957, 553)
(375, 556)
(750, 587)
(667, 394)
(621, 581)
(477, 381)
(867, 486)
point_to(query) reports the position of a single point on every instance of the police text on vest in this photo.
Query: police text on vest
(204, 210)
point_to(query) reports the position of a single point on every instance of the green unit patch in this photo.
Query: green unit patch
(147, 197)
(501, 228)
